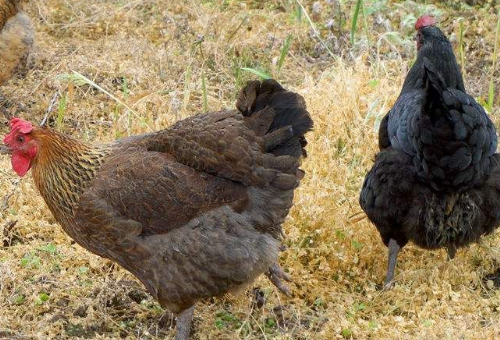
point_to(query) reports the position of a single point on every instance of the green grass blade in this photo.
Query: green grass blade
(258, 73)
(461, 46)
(491, 92)
(125, 88)
(354, 24)
(298, 13)
(284, 52)
(204, 89)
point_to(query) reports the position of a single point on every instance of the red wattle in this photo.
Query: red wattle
(21, 164)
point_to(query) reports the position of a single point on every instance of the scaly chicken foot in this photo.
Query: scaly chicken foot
(184, 320)
(275, 275)
(167, 320)
(394, 249)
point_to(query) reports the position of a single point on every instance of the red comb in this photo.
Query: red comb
(424, 21)
(21, 125)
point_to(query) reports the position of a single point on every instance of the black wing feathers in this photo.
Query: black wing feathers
(449, 135)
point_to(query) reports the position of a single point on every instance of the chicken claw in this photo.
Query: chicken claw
(275, 275)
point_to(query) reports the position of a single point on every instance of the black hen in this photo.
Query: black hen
(436, 179)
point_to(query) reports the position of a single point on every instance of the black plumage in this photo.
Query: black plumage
(436, 179)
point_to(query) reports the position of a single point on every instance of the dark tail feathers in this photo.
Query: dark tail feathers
(433, 78)
(278, 115)
(435, 86)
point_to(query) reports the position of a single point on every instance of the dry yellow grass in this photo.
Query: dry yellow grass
(153, 55)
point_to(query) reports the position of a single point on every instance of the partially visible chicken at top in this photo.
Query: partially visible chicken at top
(16, 39)
(193, 211)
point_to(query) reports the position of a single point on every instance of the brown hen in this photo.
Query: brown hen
(16, 39)
(193, 211)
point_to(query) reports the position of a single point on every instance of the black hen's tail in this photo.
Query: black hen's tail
(280, 116)
(455, 136)
(434, 86)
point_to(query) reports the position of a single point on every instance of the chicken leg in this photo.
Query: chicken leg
(452, 250)
(394, 249)
(184, 321)
(275, 275)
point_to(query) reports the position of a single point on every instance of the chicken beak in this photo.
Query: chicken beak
(5, 150)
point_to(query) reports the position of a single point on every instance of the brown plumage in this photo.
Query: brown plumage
(193, 211)
(16, 39)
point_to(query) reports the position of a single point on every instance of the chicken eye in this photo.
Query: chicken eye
(20, 139)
